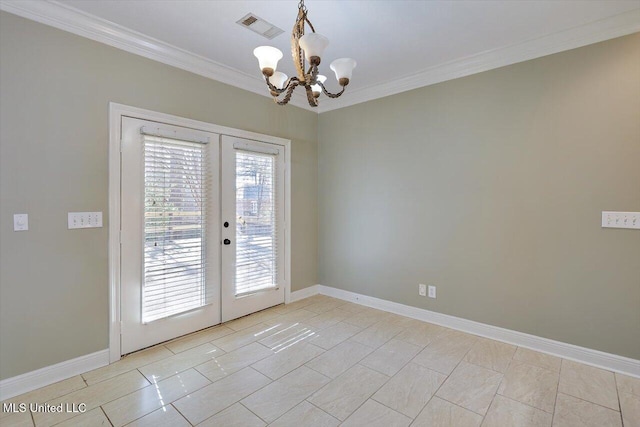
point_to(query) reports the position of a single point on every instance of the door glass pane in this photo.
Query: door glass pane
(174, 227)
(256, 243)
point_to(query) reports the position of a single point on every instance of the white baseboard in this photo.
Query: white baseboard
(24, 383)
(304, 293)
(600, 359)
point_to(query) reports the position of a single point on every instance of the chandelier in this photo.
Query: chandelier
(313, 45)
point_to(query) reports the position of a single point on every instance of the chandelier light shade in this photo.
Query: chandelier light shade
(268, 58)
(343, 68)
(313, 45)
(278, 79)
(305, 48)
(316, 88)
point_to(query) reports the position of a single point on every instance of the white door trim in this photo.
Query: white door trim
(116, 112)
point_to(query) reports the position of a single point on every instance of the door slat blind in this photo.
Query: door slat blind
(256, 234)
(175, 212)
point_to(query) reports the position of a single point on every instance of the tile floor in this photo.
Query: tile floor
(325, 362)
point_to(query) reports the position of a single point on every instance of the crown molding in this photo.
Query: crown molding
(69, 19)
(594, 32)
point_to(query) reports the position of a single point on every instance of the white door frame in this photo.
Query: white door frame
(116, 112)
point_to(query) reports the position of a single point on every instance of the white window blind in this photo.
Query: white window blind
(175, 212)
(256, 233)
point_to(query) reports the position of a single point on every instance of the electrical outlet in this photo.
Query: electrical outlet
(432, 291)
(422, 290)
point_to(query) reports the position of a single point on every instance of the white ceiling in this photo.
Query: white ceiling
(391, 40)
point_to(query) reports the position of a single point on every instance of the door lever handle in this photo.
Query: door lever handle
(227, 242)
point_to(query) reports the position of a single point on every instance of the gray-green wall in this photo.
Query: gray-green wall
(491, 187)
(56, 88)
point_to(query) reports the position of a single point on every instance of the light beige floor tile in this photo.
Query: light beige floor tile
(193, 340)
(343, 395)
(208, 401)
(530, 385)
(251, 320)
(340, 358)
(506, 412)
(471, 386)
(144, 401)
(445, 352)
(286, 334)
(491, 354)
(324, 306)
(46, 393)
(246, 336)
(630, 405)
(421, 335)
(391, 357)
(177, 363)
(233, 361)
(297, 316)
(234, 416)
(328, 318)
(307, 415)
(627, 384)
(573, 412)
(403, 321)
(366, 318)
(280, 396)
(409, 390)
(92, 418)
(353, 308)
(538, 359)
(17, 419)
(93, 396)
(334, 335)
(127, 363)
(167, 416)
(373, 414)
(440, 413)
(588, 383)
(287, 359)
(288, 308)
(376, 335)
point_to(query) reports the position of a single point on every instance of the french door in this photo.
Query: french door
(253, 226)
(170, 275)
(202, 230)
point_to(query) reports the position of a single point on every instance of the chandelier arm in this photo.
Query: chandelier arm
(329, 94)
(287, 97)
(313, 72)
(312, 99)
(309, 22)
(285, 87)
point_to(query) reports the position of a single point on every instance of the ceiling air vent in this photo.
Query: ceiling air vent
(260, 26)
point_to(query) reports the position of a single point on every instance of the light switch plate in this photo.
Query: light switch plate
(84, 220)
(20, 222)
(629, 220)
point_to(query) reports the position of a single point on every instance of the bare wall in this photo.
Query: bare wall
(55, 91)
(491, 187)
